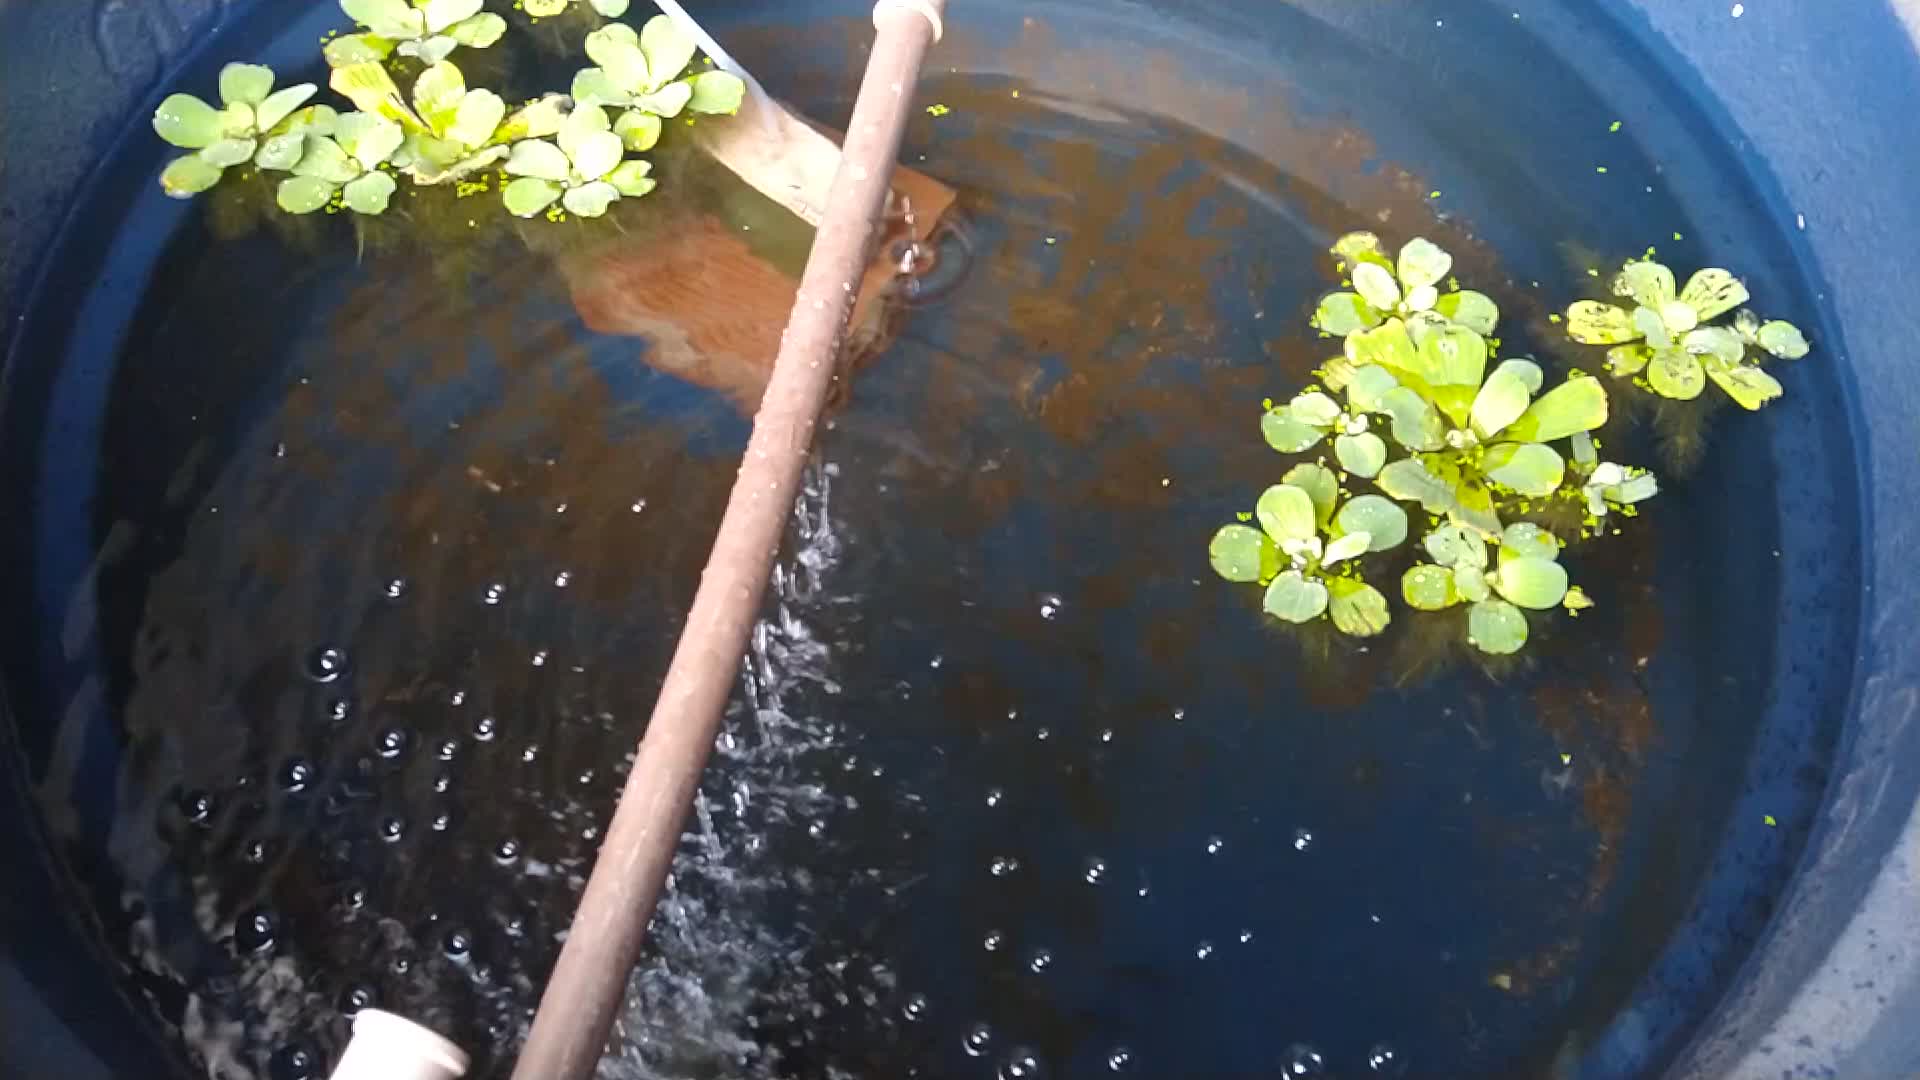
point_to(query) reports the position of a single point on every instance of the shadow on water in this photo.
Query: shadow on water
(395, 549)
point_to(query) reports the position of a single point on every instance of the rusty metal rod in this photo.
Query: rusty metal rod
(589, 982)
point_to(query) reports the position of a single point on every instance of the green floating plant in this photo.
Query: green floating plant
(541, 9)
(253, 125)
(427, 29)
(1417, 404)
(1669, 343)
(641, 73)
(1307, 548)
(560, 150)
(1528, 577)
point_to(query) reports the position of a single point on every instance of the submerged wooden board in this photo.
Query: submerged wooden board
(713, 302)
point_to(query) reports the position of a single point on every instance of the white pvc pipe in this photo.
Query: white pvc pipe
(389, 1047)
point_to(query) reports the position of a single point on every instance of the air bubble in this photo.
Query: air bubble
(392, 828)
(338, 710)
(1094, 871)
(1050, 605)
(1003, 865)
(978, 1040)
(295, 776)
(915, 1007)
(992, 941)
(994, 795)
(457, 944)
(1022, 1064)
(531, 753)
(392, 743)
(253, 931)
(1179, 715)
(257, 852)
(1302, 839)
(638, 505)
(356, 997)
(1246, 936)
(447, 749)
(1215, 845)
(441, 821)
(1119, 1059)
(540, 658)
(198, 806)
(1303, 1060)
(1039, 961)
(562, 579)
(396, 588)
(326, 664)
(1203, 950)
(1385, 1060)
(292, 1063)
(493, 594)
(506, 851)
(485, 728)
(1042, 734)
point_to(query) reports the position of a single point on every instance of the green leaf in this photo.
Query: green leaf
(349, 49)
(667, 101)
(1677, 317)
(1453, 546)
(590, 200)
(718, 93)
(632, 178)
(1783, 339)
(186, 121)
(312, 120)
(1314, 409)
(371, 90)
(443, 14)
(1351, 546)
(1454, 356)
(1287, 435)
(619, 56)
(1428, 588)
(431, 50)
(594, 154)
(1356, 247)
(369, 194)
(1712, 293)
(1716, 341)
(611, 9)
(1528, 468)
(1475, 311)
(638, 131)
(536, 120)
(594, 86)
(1362, 455)
(437, 95)
(529, 195)
(1471, 583)
(388, 18)
(1585, 454)
(1649, 283)
(1381, 519)
(1652, 327)
(1744, 383)
(539, 159)
(1376, 285)
(1575, 405)
(1237, 552)
(1590, 322)
(1286, 513)
(1410, 481)
(229, 152)
(1502, 399)
(1525, 540)
(1295, 599)
(1320, 485)
(541, 9)
(1534, 583)
(1358, 609)
(1388, 345)
(367, 138)
(187, 176)
(478, 31)
(247, 84)
(280, 104)
(1473, 508)
(1423, 263)
(1626, 360)
(1676, 373)
(304, 194)
(280, 153)
(1344, 313)
(323, 159)
(1366, 385)
(669, 50)
(1496, 627)
(1416, 425)
(480, 112)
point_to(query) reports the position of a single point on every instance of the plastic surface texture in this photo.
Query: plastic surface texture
(1820, 98)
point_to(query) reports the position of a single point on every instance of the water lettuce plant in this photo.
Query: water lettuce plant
(1418, 406)
(1668, 342)
(251, 126)
(555, 153)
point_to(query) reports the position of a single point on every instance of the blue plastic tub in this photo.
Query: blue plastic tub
(1775, 137)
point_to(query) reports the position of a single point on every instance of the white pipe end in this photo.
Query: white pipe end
(925, 8)
(389, 1047)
